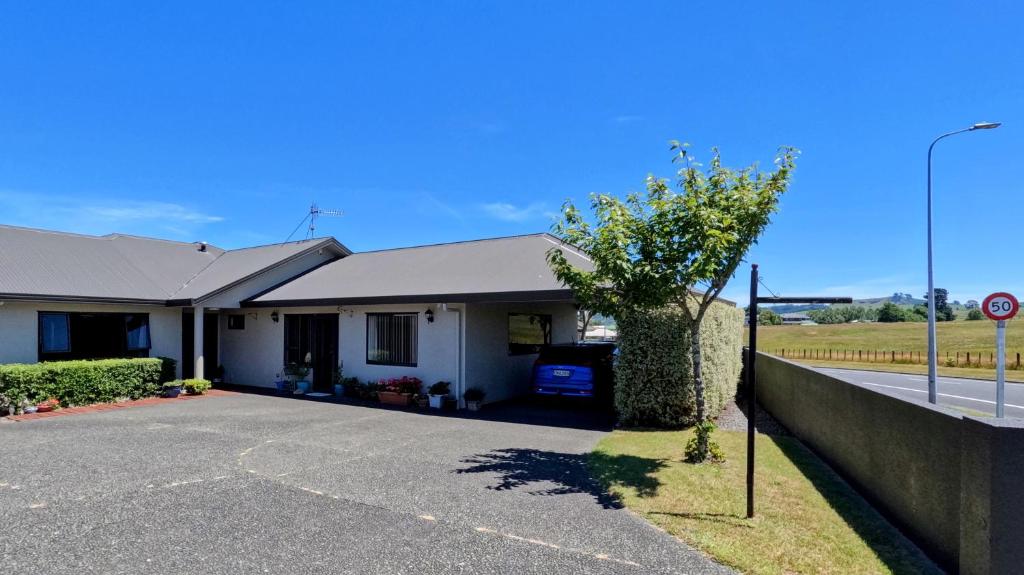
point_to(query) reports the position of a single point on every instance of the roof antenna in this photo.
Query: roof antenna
(314, 212)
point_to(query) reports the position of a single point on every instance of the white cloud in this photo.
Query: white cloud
(93, 215)
(511, 213)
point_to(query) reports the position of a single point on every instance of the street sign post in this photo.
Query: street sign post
(1000, 307)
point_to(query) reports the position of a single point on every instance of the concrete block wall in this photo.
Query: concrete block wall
(951, 482)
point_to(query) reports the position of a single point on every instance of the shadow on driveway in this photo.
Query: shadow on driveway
(547, 473)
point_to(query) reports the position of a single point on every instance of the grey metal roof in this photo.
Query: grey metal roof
(41, 265)
(500, 269)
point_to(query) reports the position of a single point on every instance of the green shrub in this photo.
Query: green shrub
(654, 373)
(196, 386)
(168, 369)
(80, 382)
(701, 447)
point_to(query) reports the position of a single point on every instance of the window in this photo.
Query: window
(137, 331)
(65, 335)
(53, 333)
(528, 332)
(391, 338)
(236, 321)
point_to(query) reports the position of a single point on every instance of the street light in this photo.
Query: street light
(933, 358)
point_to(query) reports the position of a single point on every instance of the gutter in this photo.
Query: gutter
(79, 299)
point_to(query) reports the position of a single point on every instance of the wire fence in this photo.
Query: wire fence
(984, 359)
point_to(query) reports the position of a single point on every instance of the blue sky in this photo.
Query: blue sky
(446, 121)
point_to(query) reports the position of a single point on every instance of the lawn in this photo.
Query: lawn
(808, 520)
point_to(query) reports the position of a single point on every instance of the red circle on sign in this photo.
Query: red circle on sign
(1000, 306)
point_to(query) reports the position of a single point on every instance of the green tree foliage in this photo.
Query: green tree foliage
(943, 311)
(768, 317)
(669, 247)
(843, 314)
(975, 314)
(891, 313)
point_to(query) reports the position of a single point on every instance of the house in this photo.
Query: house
(796, 318)
(473, 313)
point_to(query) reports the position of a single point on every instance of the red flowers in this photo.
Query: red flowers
(404, 384)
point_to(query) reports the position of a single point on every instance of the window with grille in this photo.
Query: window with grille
(391, 338)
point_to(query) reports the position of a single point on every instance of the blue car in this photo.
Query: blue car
(582, 370)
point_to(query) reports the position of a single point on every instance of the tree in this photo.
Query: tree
(891, 313)
(768, 317)
(668, 247)
(943, 312)
(975, 314)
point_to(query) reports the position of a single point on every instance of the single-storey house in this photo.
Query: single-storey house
(473, 313)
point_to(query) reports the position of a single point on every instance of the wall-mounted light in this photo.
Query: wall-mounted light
(429, 315)
(274, 317)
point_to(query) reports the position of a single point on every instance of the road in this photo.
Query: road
(974, 394)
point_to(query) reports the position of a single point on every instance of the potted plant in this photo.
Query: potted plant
(339, 381)
(27, 407)
(437, 393)
(399, 391)
(296, 374)
(171, 389)
(422, 400)
(48, 405)
(196, 386)
(218, 374)
(474, 396)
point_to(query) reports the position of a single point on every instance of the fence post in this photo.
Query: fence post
(893, 357)
(1018, 360)
(968, 359)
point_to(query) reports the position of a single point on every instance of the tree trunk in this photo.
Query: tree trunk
(698, 371)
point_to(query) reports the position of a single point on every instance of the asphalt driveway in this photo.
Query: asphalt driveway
(256, 484)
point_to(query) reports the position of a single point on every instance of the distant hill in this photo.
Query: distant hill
(896, 298)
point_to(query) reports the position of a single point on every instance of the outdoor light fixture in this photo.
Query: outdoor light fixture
(430, 315)
(933, 354)
(274, 317)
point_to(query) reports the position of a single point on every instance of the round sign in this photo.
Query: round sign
(1000, 306)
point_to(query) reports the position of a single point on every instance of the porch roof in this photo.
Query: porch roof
(494, 270)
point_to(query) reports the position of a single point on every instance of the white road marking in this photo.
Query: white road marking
(941, 394)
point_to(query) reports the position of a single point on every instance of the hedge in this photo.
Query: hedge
(654, 372)
(82, 382)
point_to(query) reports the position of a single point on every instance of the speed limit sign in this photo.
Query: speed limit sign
(1000, 306)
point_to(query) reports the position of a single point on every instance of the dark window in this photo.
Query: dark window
(297, 336)
(53, 333)
(65, 336)
(391, 338)
(236, 321)
(528, 332)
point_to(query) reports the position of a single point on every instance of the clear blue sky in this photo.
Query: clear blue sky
(450, 121)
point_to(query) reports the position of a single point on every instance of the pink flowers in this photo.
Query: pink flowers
(404, 384)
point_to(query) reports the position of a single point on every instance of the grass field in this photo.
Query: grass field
(807, 520)
(962, 336)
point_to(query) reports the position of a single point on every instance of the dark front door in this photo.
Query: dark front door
(312, 340)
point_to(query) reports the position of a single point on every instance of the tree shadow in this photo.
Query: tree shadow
(548, 473)
(890, 545)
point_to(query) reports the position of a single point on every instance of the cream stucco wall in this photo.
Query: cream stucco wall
(488, 363)
(19, 328)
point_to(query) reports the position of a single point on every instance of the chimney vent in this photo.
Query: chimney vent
(202, 246)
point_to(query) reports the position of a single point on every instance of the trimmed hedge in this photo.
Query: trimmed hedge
(81, 382)
(654, 372)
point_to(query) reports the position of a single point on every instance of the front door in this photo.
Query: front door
(312, 340)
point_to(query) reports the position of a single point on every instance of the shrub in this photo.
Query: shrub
(80, 382)
(975, 315)
(439, 388)
(654, 373)
(168, 369)
(196, 386)
(701, 447)
(474, 394)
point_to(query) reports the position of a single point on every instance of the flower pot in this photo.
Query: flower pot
(437, 401)
(171, 392)
(339, 389)
(45, 407)
(422, 402)
(30, 409)
(301, 387)
(473, 405)
(394, 398)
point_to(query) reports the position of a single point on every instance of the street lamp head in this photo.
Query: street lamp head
(986, 125)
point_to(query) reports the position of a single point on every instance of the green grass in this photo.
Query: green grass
(962, 336)
(807, 521)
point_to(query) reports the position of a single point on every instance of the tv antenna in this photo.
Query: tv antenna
(315, 212)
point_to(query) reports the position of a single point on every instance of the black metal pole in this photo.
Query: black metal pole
(751, 390)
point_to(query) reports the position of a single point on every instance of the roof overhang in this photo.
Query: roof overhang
(550, 296)
(43, 298)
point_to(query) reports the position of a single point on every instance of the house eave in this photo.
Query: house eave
(542, 296)
(49, 298)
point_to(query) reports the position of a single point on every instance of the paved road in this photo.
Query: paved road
(251, 484)
(974, 394)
